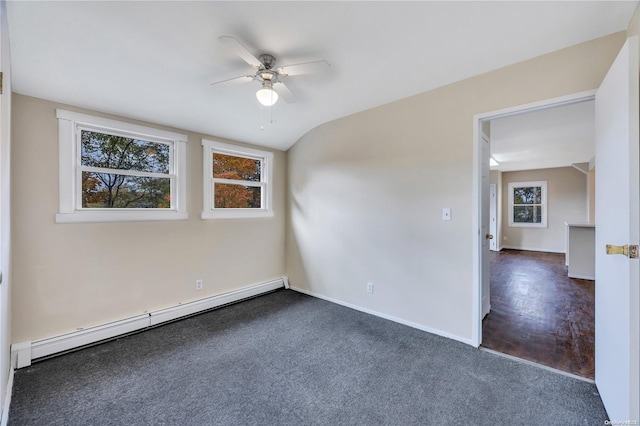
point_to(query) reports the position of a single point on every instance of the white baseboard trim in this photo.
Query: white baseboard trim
(385, 316)
(532, 249)
(179, 311)
(25, 352)
(582, 277)
(7, 398)
(75, 339)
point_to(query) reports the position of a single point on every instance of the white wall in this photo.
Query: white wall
(69, 276)
(366, 192)
(591, 184)
(495, 177)
(566, 202)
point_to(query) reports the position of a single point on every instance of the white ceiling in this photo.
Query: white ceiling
(554, 137)
(153, 60)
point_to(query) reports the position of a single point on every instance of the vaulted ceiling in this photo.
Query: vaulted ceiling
(154, 60)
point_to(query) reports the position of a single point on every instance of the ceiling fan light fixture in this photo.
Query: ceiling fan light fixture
(267, 96)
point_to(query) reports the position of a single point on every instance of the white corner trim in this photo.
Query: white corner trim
(7, 398)
(285, 280)
(24, 352)
(385, 316)
(21, 354)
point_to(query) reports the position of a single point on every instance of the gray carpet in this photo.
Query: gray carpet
(288, 359)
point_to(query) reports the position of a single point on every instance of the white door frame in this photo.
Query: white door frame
(493, 216)
(476, 334)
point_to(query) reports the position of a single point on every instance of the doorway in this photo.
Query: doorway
(485, 216)
(617, 136)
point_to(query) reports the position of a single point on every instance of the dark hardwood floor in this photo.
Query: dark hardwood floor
(539, 314)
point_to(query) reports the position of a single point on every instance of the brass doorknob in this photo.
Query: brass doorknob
(489, 237)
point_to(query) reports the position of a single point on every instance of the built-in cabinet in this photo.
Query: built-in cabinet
(581, 253)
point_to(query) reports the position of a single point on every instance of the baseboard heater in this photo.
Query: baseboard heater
(24, 353)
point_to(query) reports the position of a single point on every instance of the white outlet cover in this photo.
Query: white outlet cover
(446, 213)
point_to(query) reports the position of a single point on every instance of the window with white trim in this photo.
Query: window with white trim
(237, 181)
(528, 204)
(112, 171)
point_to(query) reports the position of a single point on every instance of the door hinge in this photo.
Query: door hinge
(633, 252)
(1, 81)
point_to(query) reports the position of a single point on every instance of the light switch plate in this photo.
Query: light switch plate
(446, 213)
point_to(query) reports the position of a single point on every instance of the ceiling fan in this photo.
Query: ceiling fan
(266, 73)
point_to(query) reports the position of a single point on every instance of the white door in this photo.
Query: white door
(493, 217)
(485, 234)
(617, 222)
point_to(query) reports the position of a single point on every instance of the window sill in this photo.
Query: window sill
(237, 214)
(119, 216)
(527, 225)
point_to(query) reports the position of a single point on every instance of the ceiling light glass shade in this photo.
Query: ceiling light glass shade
(267, 96)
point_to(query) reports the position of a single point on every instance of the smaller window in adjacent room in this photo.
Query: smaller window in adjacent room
(113, 171)
(237, 181)
(528, 204)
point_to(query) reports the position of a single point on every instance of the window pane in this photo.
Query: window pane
(121, 153)
(527, 195)
(107, 190)
(229, 196)
(236, 168)
(527, 214)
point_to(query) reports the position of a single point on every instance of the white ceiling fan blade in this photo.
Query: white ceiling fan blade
(233, 81)
(234, 44)
(284, 92)
(304, 68)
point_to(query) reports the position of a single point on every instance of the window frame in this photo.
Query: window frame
(543, 198)
(209, 211)
(70, 127)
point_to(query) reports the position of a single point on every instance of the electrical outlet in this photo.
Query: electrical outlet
(198, 284)
(370, 288)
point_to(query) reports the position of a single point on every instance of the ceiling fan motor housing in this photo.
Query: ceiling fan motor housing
(268, 61)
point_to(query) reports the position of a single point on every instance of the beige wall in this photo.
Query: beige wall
(366, 191)
(68, 276)
(633, 28)
(566, 201)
